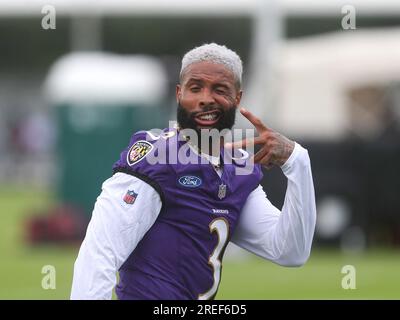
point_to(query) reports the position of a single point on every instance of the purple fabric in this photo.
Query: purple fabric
(172, 260)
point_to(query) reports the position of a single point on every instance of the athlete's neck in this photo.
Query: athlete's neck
(212, 147)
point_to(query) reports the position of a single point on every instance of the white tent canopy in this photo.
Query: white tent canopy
(104, 78)
(316, 73)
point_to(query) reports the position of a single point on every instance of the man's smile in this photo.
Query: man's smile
(208, 118)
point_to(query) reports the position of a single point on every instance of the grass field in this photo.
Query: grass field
(377, 271)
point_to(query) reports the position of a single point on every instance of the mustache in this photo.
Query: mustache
(208, 108)
(188, 119)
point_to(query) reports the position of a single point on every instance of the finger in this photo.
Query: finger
(260, 154)
(266, 160)
(268, 166)
(254, 120)
(244, 143)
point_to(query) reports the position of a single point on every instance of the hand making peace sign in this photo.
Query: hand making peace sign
(276, 148)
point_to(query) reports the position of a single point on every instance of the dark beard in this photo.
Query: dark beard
(186, 119)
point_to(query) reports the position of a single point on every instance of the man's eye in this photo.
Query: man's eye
(195, 89)
(220, 91)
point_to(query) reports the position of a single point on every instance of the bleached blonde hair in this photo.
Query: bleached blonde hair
(215, 53)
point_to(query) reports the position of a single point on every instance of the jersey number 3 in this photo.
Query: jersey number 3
(221, 227)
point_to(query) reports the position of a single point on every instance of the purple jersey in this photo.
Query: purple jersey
(180, 256)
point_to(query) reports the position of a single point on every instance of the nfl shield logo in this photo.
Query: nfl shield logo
(222, 191)
(130, 197)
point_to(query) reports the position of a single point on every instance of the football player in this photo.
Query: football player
(164, 225)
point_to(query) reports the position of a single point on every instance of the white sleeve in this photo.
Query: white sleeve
(281, 237)
(114, 231)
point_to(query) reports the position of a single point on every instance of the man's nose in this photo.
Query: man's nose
(206, 98)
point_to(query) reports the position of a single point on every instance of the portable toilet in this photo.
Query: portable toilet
(100, 100)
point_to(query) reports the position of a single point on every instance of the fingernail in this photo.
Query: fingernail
(243, 110)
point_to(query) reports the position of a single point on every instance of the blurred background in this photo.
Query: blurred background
(77, 78)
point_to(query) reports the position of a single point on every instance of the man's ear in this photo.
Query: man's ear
(238, 97)
(178, 93)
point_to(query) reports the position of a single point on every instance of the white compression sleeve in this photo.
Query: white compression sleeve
(114, 231)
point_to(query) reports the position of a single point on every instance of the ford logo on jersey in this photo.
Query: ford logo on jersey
(190, 181)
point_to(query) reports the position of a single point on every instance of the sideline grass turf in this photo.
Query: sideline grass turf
(377, 271)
